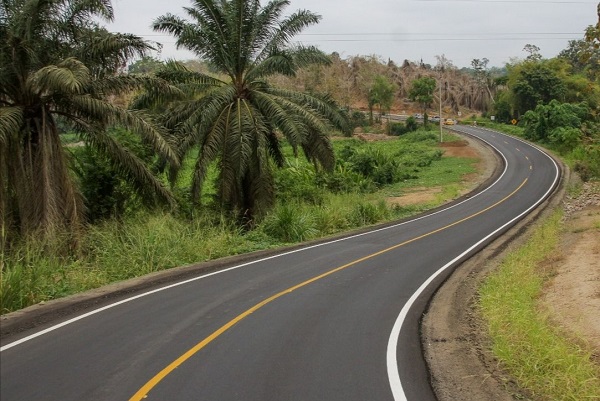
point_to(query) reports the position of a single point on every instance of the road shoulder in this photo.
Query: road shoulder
(453, 335)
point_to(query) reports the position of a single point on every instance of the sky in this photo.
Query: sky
(461, 30)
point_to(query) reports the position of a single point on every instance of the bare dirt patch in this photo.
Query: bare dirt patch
(465, 148)
(572, 296)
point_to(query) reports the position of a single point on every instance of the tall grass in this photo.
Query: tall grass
(115, 251)
(539, 357)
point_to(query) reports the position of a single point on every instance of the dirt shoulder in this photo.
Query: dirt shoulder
(572, 296)
(454, 337)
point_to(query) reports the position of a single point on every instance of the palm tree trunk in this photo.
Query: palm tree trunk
(47, 200)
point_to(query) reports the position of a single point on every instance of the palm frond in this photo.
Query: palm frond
(124, 84)
(67, 77)
(11, 123)
(137, 121)
(128, 164)
(202, 120)
(209, 151)
(272, 110)
(288, 28)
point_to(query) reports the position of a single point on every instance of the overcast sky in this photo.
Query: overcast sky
(406, 29)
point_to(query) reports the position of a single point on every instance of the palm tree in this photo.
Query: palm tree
(236, 120)
(57, 68)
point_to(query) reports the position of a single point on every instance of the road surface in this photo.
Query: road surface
(336, 321)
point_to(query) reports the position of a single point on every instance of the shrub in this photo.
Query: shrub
(298, 182)
(411, 124)
(365, 213)
(107, 191)
(358, 119)
(344, 180)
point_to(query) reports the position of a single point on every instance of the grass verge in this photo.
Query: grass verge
(523, 339)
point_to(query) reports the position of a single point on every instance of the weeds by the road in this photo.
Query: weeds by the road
(524, 340)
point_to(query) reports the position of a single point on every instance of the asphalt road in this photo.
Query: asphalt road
(333, 321)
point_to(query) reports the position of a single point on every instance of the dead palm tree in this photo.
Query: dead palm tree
(236, 120)
(57, 67)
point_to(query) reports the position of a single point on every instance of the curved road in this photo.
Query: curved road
(333, 321)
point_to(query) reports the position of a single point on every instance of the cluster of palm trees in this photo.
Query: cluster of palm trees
(60, 68)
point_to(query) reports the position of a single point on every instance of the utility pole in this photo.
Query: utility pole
(441, 119)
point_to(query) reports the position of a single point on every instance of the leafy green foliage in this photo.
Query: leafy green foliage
(556, 123)
(288, 223)
(297, 182)
(587, 161)
(364, 213)
(536, 82)
(382, 93)
(145, 65)
(358, 119)
(383, 167)
(410, 125)
(107, 192)
(421, 91)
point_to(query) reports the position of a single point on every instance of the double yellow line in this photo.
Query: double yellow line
(143, 392)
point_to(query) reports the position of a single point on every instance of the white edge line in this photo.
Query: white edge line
(392, 348)
(95, 311)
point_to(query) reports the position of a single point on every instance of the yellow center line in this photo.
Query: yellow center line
(143, 392)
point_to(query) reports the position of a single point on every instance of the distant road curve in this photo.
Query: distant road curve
(331, 321)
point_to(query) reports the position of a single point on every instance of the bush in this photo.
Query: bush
(298, 182)
(364, 213)
(410, 125)
(107, 191)
(358, 119)
(587, 161)
(397, 129)
(344, 180)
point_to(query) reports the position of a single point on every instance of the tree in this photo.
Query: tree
(236, 121)
(534, 52)
(536, 82)
(557, 123)
(482, 75)
(145, 65)
(592, 33)
(57, 67)
(422, 91)
(382, 93)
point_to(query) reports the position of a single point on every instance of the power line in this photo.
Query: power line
(409, 34)
(507, 1)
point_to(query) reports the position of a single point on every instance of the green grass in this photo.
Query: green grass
(539, 357)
